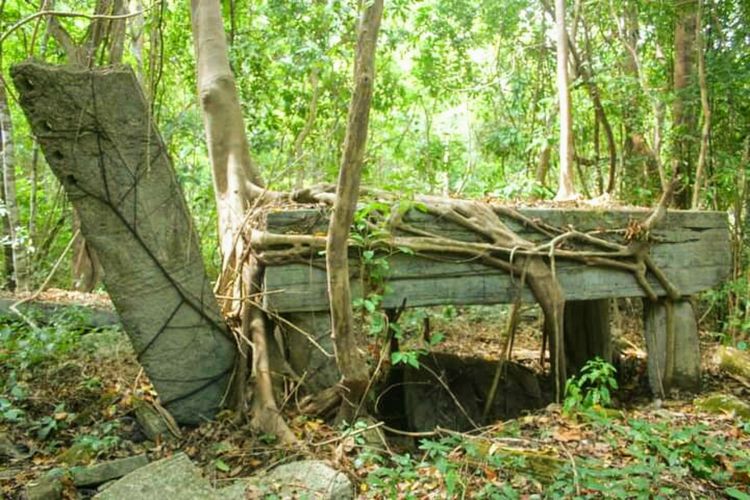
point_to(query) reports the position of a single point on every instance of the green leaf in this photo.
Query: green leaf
(735, 493)
(436, 338)
(221, 465)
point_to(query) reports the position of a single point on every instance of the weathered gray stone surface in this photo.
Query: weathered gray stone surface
(45, 488)
(151, 422)
(107, 471)
(177, 478)
(685, 353)
(174, 478)
(319, 369)
(691, 248)
(95, 131)
(304, 479)
(719, 403)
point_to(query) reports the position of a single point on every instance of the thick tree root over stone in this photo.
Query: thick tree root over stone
(496, 245)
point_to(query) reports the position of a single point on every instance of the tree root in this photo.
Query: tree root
(498, 246)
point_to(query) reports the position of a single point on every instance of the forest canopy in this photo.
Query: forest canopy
(465, 102)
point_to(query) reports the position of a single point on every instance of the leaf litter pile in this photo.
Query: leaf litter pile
(70, 396)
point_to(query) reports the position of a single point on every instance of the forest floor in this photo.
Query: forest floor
(69, 395)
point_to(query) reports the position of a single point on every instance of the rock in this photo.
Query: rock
(734, 361)
(77, 454)
(106, 471)
(173, 478)
(723, 403)
(151, 422)
(45, 488)
(303, 479)
(177, 478)
(320, 370)
(156, 278)
(684, 353)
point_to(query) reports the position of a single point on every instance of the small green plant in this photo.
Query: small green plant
(48, 426)
(410, 358)
(9, 412)
(98, 444)
(592, 388)
(26, 345)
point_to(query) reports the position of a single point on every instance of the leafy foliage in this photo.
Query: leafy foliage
(592, 388)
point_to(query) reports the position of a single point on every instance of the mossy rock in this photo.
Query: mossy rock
(723, 403)
(77, 454)
(734, 361)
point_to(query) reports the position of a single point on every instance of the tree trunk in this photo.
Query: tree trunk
(683, 106)
(8, 281)
(351, 360)
(18, 246)
(628, 34)
(86, 269)
(587, 74)
(116, 40)
(237, 184)
(297, 160)
(566, 190)
(136, 32)
(545, 154)
(705, 108)
(231, 165)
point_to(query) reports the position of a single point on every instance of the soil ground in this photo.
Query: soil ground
(78, 408)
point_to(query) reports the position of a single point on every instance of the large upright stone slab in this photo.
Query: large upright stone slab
(308, 359)
(674, 359)
(95, 130)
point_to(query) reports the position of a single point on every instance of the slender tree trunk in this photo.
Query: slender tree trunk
(8, 281)
(705, 108)
(312, 113)
(545, 154)
(237, 184)
(587, 74)
(627, 33)
(566, 189)
(351, 360)
(34, 174)
(19, 255)
(231, 165)
(598, 155)
(683, 108)
(136, 32)
(542, 165)
(117, 27)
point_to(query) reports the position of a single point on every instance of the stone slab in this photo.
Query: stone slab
(95, 129)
